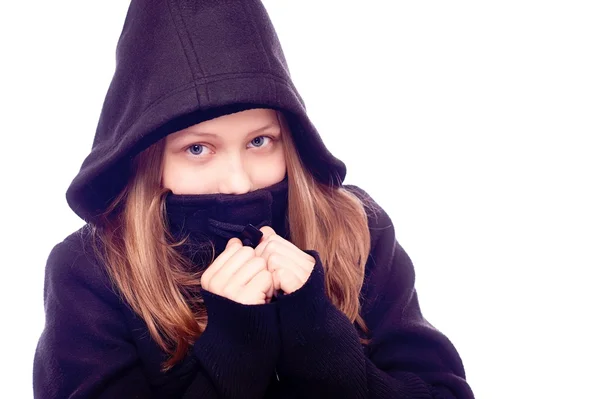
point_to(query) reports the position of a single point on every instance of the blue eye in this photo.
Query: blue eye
(259, 141)
(196, 149)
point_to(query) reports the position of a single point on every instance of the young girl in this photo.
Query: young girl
(222, 255)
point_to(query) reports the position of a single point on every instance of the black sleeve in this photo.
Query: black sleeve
(407, 358)
(239, 348)
(86, 350)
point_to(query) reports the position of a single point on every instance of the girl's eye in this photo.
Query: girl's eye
(197, 149)
(259, 141)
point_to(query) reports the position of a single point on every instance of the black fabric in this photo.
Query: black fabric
(180, 62)
(211, 220)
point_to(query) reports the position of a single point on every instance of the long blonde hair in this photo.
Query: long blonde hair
(154, 279)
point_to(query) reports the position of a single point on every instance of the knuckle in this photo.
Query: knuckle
(275, 259)
(271, 246)
(210, 287)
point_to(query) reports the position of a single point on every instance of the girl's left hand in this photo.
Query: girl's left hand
(289, 265)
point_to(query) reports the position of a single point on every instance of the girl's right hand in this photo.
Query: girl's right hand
(239, 275)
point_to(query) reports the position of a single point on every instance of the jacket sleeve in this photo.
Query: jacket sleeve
(406, 358)
(86, 349)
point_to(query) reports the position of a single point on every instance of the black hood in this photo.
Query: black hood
(180, 62)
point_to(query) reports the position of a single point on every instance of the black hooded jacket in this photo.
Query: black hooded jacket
(180, 62)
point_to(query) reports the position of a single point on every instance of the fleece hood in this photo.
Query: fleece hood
(180, 62)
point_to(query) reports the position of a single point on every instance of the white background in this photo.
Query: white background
(474, 124)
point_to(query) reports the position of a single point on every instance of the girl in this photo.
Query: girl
(222, 255)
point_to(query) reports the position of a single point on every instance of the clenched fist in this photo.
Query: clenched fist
(289, 265)
(239, 275)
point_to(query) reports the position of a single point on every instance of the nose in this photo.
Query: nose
(235, 179)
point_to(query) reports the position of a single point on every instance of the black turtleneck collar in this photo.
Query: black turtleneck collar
(216, 218)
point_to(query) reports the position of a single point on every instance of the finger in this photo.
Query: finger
(278, 262)
(247, 272)
(276, 247)
(271, 291)
(267, 231)
(230, 249)
(242, 276)
(223, 275)
(276, 282)
(268, 235)
(288, 281)
(280, 242)
(233, 241)
(261, 286)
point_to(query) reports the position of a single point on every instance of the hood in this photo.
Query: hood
(180, 62)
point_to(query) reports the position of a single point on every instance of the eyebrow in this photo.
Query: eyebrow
(261, 129)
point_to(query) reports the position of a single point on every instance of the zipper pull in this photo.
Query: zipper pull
(277, 375)
(250, 236)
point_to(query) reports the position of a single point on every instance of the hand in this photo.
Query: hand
(289, 265)
(240, 275)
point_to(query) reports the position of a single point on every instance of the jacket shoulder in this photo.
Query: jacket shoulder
(378, 219)
(384, 245)
(75, 262)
